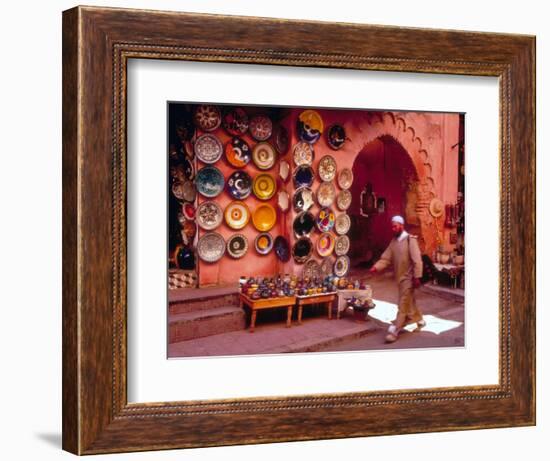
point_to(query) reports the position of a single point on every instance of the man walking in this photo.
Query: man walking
(404, 254)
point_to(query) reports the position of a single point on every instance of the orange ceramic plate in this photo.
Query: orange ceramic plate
(264, 186)
(264, 217)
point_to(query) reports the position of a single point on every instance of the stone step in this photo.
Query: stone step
(200, 299)
(201, 323)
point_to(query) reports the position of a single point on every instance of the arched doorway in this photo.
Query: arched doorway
(384, 168)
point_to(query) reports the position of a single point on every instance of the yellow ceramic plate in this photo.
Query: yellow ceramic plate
(264, 186)
(237, 215)
(264, 217)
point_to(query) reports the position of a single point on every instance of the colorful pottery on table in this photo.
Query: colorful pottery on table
(209, 215)
(264, 217)
(207, 117)
(238, 152)
(342, 224)
(336, 136)
(327, 168)
(237, 246)
(301, 250)
(341, 266)
(303, 176)
(209, 181)
(282, 248)
(235, 122)
(264, 186)
(303, 154)
(263, 243)
(345, 178)
(325, 220)
(260, 127)
(208, 148)
(342, 245)
(264, 155)
(303, 224)
(310, 126)
(325, 244)
(326, 194)
(239, 185)
(343, 199)
(303, 199)
(236, 215)
(211, 247)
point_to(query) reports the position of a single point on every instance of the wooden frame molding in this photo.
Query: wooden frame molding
(97, 44)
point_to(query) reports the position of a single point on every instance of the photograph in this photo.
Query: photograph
(313, 229)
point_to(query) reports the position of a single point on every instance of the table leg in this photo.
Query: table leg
(288, 316)
(252, 320)
(300, 308)
(329, 309)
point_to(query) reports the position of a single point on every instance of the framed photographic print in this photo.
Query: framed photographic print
(273, 235)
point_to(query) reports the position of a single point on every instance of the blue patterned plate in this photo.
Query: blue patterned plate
(239, 185)
(209, 181)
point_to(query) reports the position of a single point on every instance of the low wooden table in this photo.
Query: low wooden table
(321, 298)
(268, 303)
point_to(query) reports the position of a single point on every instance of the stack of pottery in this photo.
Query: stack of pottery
(361, 307)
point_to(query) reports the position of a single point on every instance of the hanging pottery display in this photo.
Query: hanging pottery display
(342, 224)
(303, 176)
(235, 122)
(325, 220)
(336, 136)
(208, 148)
(189, 211)
(260, 127)
(236, 215)
(211, 247)
(263, 243)
(177, 190)
(345, 178)
(237, 246)
(310, 126)
(301, 251)
(264, 217)
(207, 117)
(281, 139)
(238, 152)
(343, 199)
(303, 199)
(326, 266)
(239, 185)
(326, 194)
(209, 181)
(264, 186)
(312, 269)
(185, 129)
(341, 266)
(325, 244)
(282, 248)
(342, 245)
(284, 170)
(303, 224)
(209, 215)
(183, 170)
(327, 168)
(264, 155)
(303, 154)
(283, 201)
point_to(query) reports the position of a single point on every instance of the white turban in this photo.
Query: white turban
(398, 219)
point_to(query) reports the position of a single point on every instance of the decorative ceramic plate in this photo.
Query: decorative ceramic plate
(301, 251)
(189, 229)
(284, 170)
(326, 266)
(264, 155)
(345, 178)
(311, 269)
(264, 186)
(208, 148)
(263, 243)
(238, 152)
(207, 117)
(283, 201)
(342, 224)
(325, 220)
(303, 176)
(282, 248)
(189, 191)
(326, 194)
(189, 211)
(341, 266)
(177, 190)
(303, 199)
(209, 181)
(239, 185)
(237, 246)
(336, 136)
(303, 224)
(264, 217)
(327, 168)
(183, 170)
(209, 215)
(211, 247)
(310, 126)
(325, 244)
(342, 245)
(281, 139)
(260, 127)
(235, 122)
(236, 215)
(303, 154)
(343, 199)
